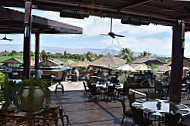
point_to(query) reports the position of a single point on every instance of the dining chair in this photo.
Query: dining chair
(47, 77)
(132, 98)
(124, 91)
(158, 88)
(86, 89)
(185, 121)
(110, 92)
(94, 92)
(139, 118)
(151, 95)
(171, 119)
(59, 79)
(126, 113)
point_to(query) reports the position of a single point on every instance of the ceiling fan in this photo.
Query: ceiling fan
(5, 38)
(111, 34)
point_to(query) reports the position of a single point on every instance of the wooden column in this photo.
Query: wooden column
(177, 61)
(37, 49)
(27, 34)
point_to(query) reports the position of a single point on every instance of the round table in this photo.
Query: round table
(160, 107)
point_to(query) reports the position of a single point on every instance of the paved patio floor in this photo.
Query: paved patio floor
(85, 112)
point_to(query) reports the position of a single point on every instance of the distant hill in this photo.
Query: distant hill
(10, 47)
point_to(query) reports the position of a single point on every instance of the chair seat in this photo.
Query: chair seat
(128, 113)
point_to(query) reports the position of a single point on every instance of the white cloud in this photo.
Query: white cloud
(154, 38)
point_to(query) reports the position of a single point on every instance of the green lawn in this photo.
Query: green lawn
(65, 60)
(2, 58)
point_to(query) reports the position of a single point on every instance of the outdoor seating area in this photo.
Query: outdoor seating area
(140, 92)
(74, 77)
(83, 110)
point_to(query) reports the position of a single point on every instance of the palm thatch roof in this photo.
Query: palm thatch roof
(109, 61)
(48, 63)
(58, 61)
(12, 61)
(163, 68)
(126, 67)
(69, 62)
(80, 64)
(147, 60)
(186, 62)
(140, 67)
(100, 67)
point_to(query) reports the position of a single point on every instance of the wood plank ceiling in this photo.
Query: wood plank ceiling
(165, 12)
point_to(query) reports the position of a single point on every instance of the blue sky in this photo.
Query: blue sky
(154, 38)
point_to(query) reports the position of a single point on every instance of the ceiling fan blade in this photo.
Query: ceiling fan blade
(104, 34)
(10, 39)
(111, 25)
(119, 35)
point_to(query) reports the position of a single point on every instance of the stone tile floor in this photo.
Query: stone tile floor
(85, 112)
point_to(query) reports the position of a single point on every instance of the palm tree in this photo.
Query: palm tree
(145, 53)
(126, 54)
(43, 55)
(65, 54)
(89, 56)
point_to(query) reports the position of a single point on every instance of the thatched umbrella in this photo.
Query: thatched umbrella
(140, 67)
(109, 61)
(126, 67)
(100, 67)
(48, 63)
(12, 61)
(69, 62)
(163, 68)
(147, 60)
(186, 62)
(79, 64)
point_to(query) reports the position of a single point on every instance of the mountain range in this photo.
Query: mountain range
(17, 47)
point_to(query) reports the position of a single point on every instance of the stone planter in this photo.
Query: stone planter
(37, 102)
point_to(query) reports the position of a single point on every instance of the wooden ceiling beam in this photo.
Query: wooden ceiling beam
(133, 4)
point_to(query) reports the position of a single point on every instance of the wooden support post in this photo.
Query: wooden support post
(37, 48)
(27, 34)
(177, 61)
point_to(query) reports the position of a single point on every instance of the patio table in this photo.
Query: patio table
(160, 107)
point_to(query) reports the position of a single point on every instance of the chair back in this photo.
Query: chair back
(131, 97)
(92, 89)
(85, 86)
(111, 90)
(137, 116)
(47, 77)
(158, 86)
(172, 120)
(125, 90)
(151, 95)
(131, 80)
(146, 84)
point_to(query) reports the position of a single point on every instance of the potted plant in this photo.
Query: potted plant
(32, 94)
(7, 93)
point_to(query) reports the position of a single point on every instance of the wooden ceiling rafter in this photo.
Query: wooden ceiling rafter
(165, 11)
(132, 4)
